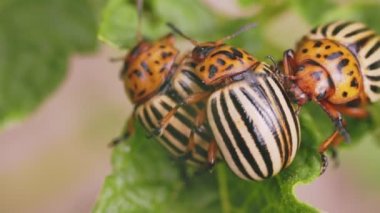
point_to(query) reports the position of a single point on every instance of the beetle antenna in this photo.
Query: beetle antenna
(179, 32)
(241, 30)
(139, 4)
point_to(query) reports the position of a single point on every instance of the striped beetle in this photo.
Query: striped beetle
(155, 83)
(337, 65)
(254, 124)
(251, 118)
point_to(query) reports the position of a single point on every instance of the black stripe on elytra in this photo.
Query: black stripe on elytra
(185, 87)
(169, 128)
(359, 44)
(171, 145)
(375, 88)
(290, 107)
(284, 132)
(140, 119)
(340, 27)
(314, 30)
(375, 65)
(182, 118)
(355, 32)
(344, 62)
(324, 29)
(147, 117)
(288, 144)
(268, 116)
(156, 112)
(259, 139)
(200, 151)
(177, 134)
(145, 66)
(373, 49)
(226, 140)
(240, 143)
(226, 53)
(334, 55)
(373, 78)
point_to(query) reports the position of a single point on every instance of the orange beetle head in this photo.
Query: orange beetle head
(314, 81)
(147, 67)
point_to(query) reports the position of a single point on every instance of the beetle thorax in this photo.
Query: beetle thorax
(215, 64)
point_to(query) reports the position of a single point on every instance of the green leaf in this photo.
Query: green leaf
(36, 38)
(312, 10)
(119, 23)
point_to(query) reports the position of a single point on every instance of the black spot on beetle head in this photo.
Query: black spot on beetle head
(201, 52)
(354, 83)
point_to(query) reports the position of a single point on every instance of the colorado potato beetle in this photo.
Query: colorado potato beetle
(254, 124)
(155, 82)
(336, 65)
(250, 116)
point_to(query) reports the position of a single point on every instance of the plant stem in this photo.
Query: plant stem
(223, 189)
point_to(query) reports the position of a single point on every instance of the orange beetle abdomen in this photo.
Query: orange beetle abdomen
(146, 71)
(223, 61)
(341, 65)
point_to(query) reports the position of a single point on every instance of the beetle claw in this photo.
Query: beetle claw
(324, 163)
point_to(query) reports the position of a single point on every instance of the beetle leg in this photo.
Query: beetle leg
(355, 112)
(164, 122)
(192, 99)
(199, 120)
(330, 141)
(336, 117)
(127, 131)
(289, 64)
(212, 154)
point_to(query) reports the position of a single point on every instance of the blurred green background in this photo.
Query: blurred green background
(56, 159)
